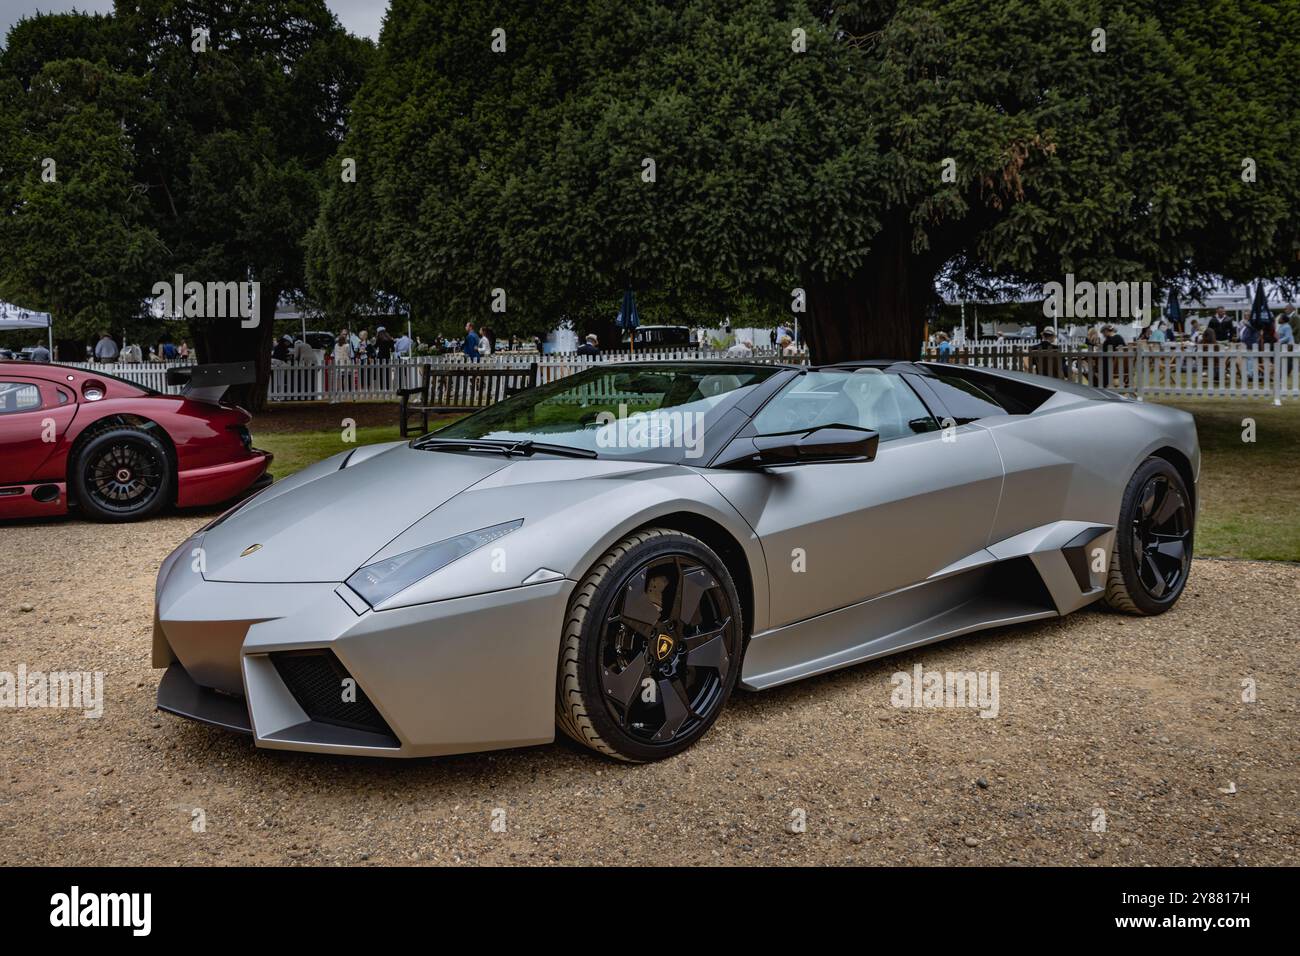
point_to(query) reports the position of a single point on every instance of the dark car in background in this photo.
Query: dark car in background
(661, 337)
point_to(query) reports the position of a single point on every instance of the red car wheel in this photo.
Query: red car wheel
(123, 474)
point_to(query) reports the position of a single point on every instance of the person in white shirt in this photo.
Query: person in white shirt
(342, 358)
(343, 350)
(303, 354)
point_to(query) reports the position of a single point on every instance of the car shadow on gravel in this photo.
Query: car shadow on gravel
(73, 515)
(342, 775)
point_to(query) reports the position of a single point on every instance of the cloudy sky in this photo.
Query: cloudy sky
(361, 17)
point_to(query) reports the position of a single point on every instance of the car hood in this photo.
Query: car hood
(323, 523)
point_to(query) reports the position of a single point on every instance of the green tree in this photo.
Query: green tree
(210, 127)
(74, 232)
(821, 169)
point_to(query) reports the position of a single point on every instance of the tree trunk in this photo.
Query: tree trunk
(226, 340)
(877, 313)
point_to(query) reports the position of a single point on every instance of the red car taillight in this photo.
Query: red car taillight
(244, 434)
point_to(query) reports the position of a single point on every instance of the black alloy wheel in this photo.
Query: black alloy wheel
(1153, 541)
(1161, 537)
(122, 474)
(664, 653)
(651, 649)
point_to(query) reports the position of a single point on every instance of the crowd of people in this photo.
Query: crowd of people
(1221, 329)
(106, 350)
(359, 347)
(349, 348)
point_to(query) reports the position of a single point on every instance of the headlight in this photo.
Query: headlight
(379, 581)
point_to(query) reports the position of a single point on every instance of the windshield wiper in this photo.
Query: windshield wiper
(524, 448)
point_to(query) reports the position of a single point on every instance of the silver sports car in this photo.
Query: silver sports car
(614, 552)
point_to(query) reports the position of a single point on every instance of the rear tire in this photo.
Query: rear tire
(122, 474)
(651, 648)
(1153, 541)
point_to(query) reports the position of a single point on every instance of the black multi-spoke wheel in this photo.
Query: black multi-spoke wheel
(1153, 541)
(651, 649)
(122, 474)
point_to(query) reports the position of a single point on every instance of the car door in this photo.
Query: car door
(837, 534)
(34, 415)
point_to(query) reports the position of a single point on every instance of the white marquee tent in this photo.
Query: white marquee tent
(13, 318)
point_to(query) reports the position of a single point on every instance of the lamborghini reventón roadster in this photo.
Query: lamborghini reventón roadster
(612, 553)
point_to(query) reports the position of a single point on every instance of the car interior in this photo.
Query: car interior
(863, 398)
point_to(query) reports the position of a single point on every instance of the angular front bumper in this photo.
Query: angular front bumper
(456, 676)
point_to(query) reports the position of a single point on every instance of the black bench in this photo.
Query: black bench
(460, 389)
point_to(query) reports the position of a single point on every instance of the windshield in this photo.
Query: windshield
(640, 412)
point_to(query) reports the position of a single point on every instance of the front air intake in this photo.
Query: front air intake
(326, 692)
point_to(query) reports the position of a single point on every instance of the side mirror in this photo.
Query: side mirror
(827, 443)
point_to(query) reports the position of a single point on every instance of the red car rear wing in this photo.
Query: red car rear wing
(209, 382)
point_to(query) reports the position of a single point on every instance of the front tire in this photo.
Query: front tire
(1153, 541)
(122, 474)
(652, 647)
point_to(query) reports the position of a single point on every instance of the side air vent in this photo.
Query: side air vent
(1077, 556)
(46, 493)
(319, 683)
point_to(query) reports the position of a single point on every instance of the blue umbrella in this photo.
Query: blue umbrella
(628, 317)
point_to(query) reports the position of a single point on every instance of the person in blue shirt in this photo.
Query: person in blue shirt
(945, 347)
(470, 345)
(1285, 332)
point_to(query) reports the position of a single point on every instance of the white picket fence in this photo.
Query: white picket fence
(1160, 370)
(149, 374)
(1140, 371)
(379, 380)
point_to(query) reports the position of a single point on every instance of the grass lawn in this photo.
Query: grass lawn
(295, 450)
(1250, 492)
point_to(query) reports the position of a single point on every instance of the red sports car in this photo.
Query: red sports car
(118, 451)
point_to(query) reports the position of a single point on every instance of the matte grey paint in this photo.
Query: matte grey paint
(931, 539)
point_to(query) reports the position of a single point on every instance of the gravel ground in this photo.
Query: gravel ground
(1141, 721)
